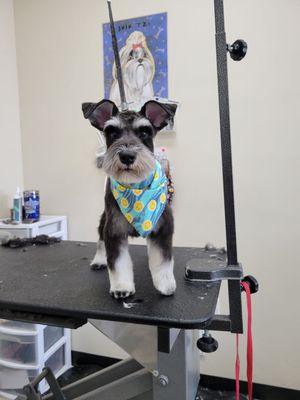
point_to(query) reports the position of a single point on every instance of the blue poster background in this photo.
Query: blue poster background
(154, 28)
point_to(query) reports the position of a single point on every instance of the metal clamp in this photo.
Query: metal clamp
(212, 266)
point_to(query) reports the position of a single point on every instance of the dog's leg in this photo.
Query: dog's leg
(120, 267)
(99, 261)
(161, 264)
(161, 268)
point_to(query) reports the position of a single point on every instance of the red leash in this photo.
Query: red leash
(249, 349)
(237, 370)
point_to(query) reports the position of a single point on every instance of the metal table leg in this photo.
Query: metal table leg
(170, 355)
(179, 370)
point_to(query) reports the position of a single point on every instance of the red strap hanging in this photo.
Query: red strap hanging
(237, 370)
(249, 349)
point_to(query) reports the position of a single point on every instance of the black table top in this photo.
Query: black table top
(57, 281)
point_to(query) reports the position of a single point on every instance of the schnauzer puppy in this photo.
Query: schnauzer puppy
(135, 197)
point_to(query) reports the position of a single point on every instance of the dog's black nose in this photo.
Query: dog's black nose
(127, 157)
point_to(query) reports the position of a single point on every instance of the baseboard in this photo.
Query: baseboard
(260, 391)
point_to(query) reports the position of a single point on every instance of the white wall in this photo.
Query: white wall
(11, 169)
(59, 45)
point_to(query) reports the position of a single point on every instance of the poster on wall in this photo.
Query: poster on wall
(143, 49)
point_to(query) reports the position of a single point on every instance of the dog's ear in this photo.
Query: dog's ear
(99, 113)
(157, 113)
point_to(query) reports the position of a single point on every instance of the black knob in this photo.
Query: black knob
(252, 282)
(207, 344)
(238, 49)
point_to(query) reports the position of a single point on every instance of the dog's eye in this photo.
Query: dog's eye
(112, 132)
(144, 132)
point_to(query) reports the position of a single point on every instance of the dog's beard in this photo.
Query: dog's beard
(137, 172)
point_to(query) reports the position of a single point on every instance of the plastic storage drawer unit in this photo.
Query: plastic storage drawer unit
(26, 348)
(18, 349)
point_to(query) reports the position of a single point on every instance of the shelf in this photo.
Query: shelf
(17, 365)
(52, 334)
(21, 332)
(61, 342)
(18, 349)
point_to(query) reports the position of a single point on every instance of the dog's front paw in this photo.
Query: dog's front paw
(163, 278)
(97, 267)
(121, 291)
(121, 294)
(166, 285)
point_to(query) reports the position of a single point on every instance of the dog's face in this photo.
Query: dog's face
(129, 137)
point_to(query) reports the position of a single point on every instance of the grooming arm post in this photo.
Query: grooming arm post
(234, 287)
(117, 58)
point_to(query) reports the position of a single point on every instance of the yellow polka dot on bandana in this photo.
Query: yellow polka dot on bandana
(115, 193)
(129, 217)
(152, 205)
(156, 176)
(137, 192)
(124, 202)
(147, 225)
(138, 206)
(163, 198)
(121, 188)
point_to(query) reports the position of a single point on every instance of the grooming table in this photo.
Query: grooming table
(54, 285)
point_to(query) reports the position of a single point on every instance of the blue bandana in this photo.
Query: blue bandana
(142, 203)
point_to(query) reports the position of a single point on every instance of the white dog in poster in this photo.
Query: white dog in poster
(138, 69)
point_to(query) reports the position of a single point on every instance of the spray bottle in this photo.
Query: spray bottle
(18, 207)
